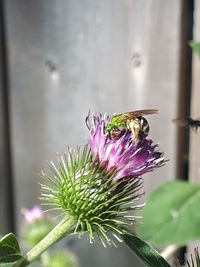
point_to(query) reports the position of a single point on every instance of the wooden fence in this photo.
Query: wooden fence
(61, 58)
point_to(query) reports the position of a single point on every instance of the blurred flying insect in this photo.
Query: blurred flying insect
(132, 121)
(188, 122)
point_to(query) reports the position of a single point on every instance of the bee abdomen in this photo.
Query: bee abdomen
(144, 128)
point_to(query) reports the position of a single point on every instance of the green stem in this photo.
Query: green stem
(61, 230)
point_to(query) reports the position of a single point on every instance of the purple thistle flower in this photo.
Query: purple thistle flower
(33, 214)
(98, 186)
(120, 154)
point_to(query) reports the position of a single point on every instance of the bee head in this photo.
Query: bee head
(109, 127)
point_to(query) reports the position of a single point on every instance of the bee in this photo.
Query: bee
(188, 122)
(131, 121)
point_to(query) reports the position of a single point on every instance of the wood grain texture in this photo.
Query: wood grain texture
(195, 103)
(67, 57)
(194, 157)
(6, 185)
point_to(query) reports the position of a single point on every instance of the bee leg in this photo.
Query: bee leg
(134, 126)
(128, 125)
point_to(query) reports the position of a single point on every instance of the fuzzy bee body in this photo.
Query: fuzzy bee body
(132, 121)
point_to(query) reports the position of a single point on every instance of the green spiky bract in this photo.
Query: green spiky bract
(82, 189)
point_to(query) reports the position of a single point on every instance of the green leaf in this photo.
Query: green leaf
(9, 250)
(148, 255)
(172, 215)
(195, 47)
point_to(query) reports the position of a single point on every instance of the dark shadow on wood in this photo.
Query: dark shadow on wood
(184, 97)
(6, 187)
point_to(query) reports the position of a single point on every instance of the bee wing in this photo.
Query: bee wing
(135, 114)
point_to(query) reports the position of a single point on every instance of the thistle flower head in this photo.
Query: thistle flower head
(127, 158)
(93, 186)
(36, 225)
(82, 189)
(33, 214)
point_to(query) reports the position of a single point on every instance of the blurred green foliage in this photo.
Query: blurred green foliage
(195, 47)
(62, 259)
(172, 215)
(36, 231)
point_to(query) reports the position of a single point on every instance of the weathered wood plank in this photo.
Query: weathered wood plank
(194, 158)
(195, 103)
(6, 186)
